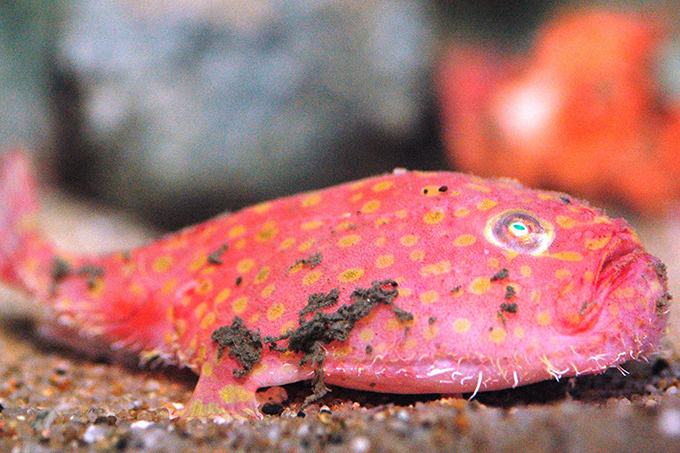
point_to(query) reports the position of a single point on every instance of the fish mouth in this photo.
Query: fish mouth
(621, 259)
(618, 261)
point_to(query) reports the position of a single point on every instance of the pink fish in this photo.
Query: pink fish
(409, 282)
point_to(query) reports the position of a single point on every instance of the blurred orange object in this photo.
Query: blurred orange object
(581, 113)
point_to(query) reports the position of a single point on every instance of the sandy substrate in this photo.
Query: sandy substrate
(54, 400)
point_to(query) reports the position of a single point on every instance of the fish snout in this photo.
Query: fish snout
(632, 288)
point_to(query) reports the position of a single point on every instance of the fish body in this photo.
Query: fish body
(410, 282)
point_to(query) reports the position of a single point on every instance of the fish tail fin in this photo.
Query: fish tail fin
(26, 256)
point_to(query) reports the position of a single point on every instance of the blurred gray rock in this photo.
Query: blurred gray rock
(242, 99)
(27, 33)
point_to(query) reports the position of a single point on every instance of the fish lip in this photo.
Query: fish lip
(619, 257)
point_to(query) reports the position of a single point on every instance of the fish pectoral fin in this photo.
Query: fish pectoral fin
(223, 396)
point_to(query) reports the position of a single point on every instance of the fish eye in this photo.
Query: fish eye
(519, 231)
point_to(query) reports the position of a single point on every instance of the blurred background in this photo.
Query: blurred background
(175, 110)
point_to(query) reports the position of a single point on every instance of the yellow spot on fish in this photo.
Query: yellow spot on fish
(494, 263)
(307, 245)
(199, 310)
(464, 240)
(96, 287)
(546, 196)
(480, 285)
(208, 321)
(370, 207)
(245, 265)
(401, 214)
(239, 305)
(382, 186)
(409, 240)
(602, 219)
(262, 274)
(563, 273)
(297, 267)
(357, 185)
(497, 335)
(525, 271)
(262, 207)
(268, 231)
(384, 261)
(137, 289)
(162, 264)
(393, 325)
(565, 222)
(589, 276)
(254, 318)
(614, 310)
(382, 221)
(430, 191)
(351, 275)
(367, 334)
(405, 292)
(461, 212)
(236, 231)
(240, 244)
(461, 325)
(311, 200)
(222, 296)
(380, 241)
(430, 332)
(349, 240)
(344, 225)
(434, 216)
(235, 394)
(442, 267)
(169, 286)
(356, 197)
(478, 187)
(567, 256)
(429, 297)
(543, 318)
(342, 351)
(199, 262)
(595, 244)
(268, 290)
(486, 204)
(311, 225)
(275, 311)
(181, 327)
(287, 327)
(417, 255)
(287, 243)
(204, 286)
(311, 278)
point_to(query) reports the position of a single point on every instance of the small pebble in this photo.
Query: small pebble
(94, 433)
(360, 444)
(669, 422)
(141, 424)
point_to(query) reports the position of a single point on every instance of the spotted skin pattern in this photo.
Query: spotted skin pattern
(507, 286)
